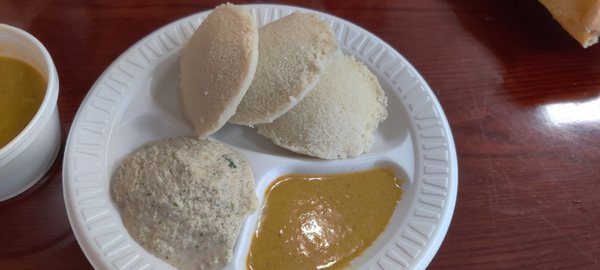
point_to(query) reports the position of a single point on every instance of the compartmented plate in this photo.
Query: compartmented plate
(136, 100)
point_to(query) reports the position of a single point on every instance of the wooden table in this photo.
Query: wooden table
(521, 96)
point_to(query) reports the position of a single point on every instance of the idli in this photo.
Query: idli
(217, 66)
(293, 53)
(335, 120)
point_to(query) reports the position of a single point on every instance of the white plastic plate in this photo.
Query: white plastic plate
(136, 101)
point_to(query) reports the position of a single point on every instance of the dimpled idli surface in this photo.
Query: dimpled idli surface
(335, 120)
(293, 54)
(217, 66)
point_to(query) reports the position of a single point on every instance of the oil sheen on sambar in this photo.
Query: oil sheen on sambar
(322, 222)
(22, 90)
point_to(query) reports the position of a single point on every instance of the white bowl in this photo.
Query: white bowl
(27, 158)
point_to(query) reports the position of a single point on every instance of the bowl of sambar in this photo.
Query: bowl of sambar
(29, 123)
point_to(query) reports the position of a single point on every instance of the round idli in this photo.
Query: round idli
(293, 53)
(335, 120)
(217, 66)
(184, 200)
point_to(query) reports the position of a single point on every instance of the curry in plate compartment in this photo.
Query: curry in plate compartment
(22, 90)
(322, 221)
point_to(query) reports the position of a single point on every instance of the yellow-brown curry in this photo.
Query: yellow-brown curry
(322, 222)
(22, 90)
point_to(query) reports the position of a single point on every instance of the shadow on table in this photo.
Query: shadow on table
(541, 62)
(37, 219)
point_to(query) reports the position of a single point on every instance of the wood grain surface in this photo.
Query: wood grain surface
(522, 98)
